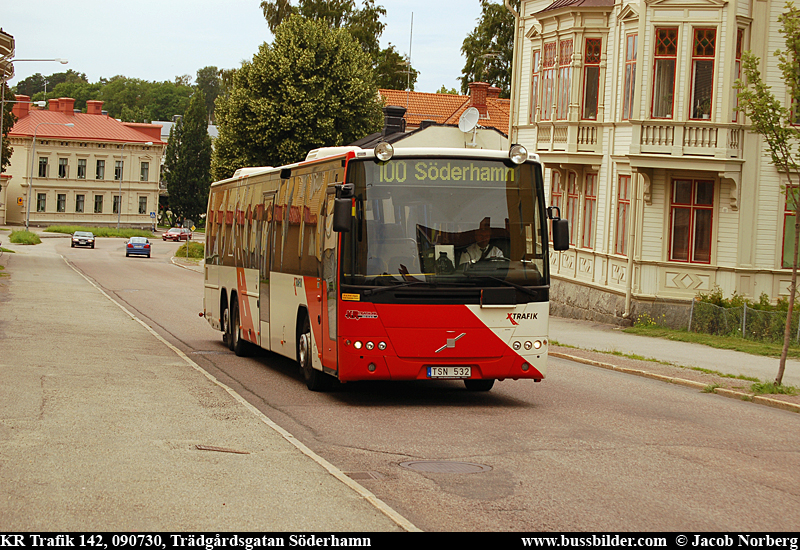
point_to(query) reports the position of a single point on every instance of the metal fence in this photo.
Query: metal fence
(745, 322)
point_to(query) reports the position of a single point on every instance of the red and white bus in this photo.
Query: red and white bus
(386, 264)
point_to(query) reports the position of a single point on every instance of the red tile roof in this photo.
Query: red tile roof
(445, 108)
(49, 124)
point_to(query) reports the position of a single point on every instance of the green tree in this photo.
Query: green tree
(312, 87)
(8, 121)
(208, 81)
(393, 71)
(445, 90)
(187, 162)
(489, 48)
(364, 24)
(775, 123)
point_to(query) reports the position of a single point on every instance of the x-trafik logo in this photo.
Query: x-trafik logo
(451, 342)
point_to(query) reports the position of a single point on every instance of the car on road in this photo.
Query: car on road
(82, 238)
(178, 234)
(137, 246)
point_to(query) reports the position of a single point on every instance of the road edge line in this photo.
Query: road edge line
(362, 491)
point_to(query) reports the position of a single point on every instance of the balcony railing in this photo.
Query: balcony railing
(573, 137)
(694, 137)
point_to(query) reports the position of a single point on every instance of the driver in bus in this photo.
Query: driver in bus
(481, 249)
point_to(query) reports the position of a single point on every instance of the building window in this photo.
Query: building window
(63, 168)
(61, 203)
(591, 78)
(548, 80)
(98, 204)
(142, 205)
(117, 201)
(573, 200)
(144, 172)
(555, 195)
(703, 49)
(564, 74)
(537, 59)
(691, 211)
(589, 209)
(623, 215)
(666, 55)
(79, 204)
(81, 169)
(789, 226)
(41, 202)
(100, 172)
(738, 69)
(42, 167)
(631, 45)
(117, 170)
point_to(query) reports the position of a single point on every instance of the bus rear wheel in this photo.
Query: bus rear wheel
(315, 380)
(479, 385)
(238, 346)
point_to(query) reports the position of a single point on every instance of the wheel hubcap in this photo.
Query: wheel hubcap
(304, 346)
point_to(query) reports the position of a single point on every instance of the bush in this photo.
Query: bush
(24, 237)
(196, 251)
(738, 316)
(100, 231)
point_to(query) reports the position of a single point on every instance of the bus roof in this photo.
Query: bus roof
(357, 152)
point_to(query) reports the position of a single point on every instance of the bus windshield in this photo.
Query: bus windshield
(446, 221)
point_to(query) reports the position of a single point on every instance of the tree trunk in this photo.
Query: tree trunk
(787, 332)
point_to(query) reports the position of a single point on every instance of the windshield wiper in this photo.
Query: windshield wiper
(527, 290)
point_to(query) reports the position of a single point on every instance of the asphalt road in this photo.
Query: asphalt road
(586, 449)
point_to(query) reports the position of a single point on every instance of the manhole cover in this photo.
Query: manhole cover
(445, 467)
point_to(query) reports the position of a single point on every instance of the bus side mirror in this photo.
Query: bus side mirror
(342, 215)
(560, 234)
(560, 229)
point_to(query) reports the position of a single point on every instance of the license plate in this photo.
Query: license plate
(449, 372)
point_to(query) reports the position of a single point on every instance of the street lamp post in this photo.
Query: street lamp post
(122, 173)
(33, 157)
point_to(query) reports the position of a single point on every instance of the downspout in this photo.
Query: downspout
(511, 117)
(631, 242)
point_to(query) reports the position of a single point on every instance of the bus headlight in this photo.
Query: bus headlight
(358, 344)
(384, 151)
(370, 345)
(537, 344)
(518, 154)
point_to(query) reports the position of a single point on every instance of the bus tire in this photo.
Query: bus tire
(226, 326)
(479, 385)
(239, 346)
(315, 380)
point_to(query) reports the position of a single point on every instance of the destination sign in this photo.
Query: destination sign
(445, 170)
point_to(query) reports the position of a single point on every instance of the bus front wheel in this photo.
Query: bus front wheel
(315, 380)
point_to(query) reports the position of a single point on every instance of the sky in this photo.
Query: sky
(157, 40)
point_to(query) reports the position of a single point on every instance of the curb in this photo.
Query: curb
(783, 405)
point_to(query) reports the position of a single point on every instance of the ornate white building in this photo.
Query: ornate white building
(631, 107)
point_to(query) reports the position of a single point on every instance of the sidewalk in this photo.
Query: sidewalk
(115, 430)
(606, 338)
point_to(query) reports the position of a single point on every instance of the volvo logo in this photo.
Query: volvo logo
(451, 342)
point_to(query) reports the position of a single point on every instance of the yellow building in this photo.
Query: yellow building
(84, 168)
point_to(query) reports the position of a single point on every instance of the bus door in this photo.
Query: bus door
(265, 246)
(329, 252)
